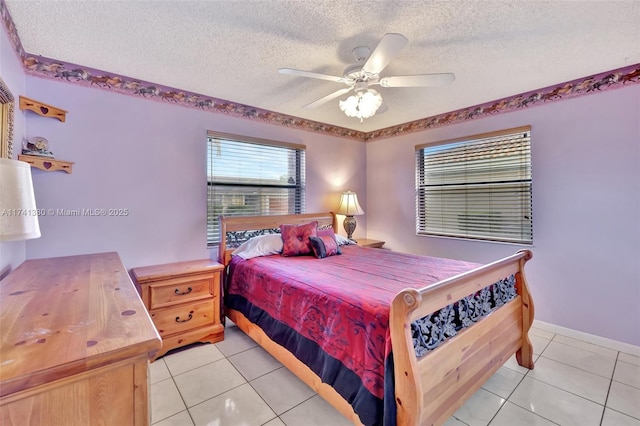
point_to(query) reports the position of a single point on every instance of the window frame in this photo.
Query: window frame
(299, 195)
(526, 221)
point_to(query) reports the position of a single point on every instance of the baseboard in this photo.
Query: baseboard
(590, 338)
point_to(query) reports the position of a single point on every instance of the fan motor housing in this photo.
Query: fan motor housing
(355, 74)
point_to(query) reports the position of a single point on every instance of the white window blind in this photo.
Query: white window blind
(247, 177)
(477, 188)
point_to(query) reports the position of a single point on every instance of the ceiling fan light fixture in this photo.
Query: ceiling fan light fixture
(363, 104)
(366, 72)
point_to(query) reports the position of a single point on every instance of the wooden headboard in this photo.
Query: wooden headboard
(257, 223)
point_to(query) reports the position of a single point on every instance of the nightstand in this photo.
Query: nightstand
(365, 242)
(183, 300)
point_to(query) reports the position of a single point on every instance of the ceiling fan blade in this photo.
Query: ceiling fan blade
(385, 51)
(311, 74)
(420, 80)
(327, 98)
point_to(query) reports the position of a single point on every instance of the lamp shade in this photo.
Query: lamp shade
(349, 204)
(363, 104)
(18, 213)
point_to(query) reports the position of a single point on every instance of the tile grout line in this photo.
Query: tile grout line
(256, 391)
(553, 339)
(505, 399)
(195, 368)
(586, 343)
(172, 377)
(508, 399)
(541, 355)
(297, 405)
(248, 382)
(225, 357)
(182, 397)
(277, 416)
(609, 388)
(564, 390)
(179, 393)
(579, 368)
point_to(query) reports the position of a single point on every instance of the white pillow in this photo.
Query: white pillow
(262, 245)
(343, 241)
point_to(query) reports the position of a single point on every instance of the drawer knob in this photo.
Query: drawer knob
(180, 293)
(185, 320)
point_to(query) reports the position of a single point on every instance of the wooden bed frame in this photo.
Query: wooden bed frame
(431, 388)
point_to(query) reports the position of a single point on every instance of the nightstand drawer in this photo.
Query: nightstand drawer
(181, 290)
(179, 318)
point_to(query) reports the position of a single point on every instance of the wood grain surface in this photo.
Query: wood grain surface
(67, 315)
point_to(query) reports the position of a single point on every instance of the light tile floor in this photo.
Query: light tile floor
(235, 382)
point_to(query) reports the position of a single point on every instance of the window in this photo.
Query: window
(247, 177)
(477, 187)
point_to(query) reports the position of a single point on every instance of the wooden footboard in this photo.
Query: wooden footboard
(292, 363)
(430, 389)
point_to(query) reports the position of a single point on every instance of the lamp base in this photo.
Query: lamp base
(349, 225)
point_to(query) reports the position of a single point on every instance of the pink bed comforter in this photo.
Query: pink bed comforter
(341, 302)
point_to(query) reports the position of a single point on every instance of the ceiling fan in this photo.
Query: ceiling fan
(365, 72)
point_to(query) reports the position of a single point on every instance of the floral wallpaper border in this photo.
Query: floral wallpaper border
(77, 74)
(44, 67)
(588, 85)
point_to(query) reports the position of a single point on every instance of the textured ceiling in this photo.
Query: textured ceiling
(232, 49)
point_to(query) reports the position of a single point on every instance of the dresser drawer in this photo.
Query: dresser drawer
(182, 289)
(174, 319)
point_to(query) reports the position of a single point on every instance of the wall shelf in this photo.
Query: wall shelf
(47, 164)
(42, 109)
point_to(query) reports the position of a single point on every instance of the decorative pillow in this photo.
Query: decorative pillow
(327, 231)
(296, 238)
(262, 245)
(324, 246)
(342, 241)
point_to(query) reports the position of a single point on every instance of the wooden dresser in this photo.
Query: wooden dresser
(76, 340)
(183, 299)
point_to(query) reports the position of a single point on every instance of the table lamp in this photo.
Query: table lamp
(349, 207)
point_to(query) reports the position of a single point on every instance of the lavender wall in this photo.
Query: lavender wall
(585, 274)
(12, 254)
(149, 157)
